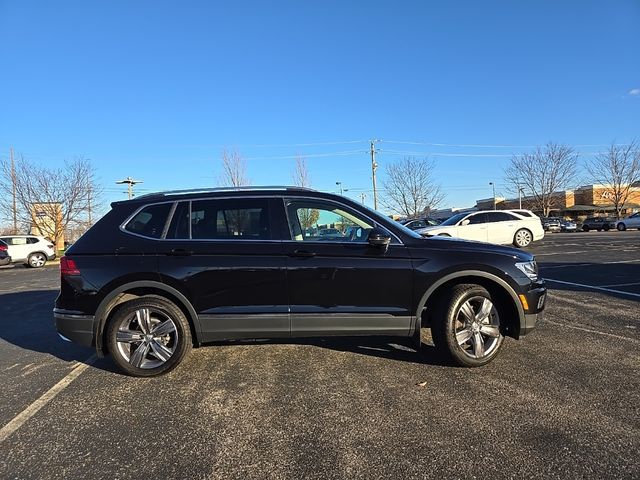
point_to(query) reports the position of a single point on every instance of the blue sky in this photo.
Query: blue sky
(156, 89)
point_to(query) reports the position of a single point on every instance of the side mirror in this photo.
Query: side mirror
(465, 222)
(379, 238)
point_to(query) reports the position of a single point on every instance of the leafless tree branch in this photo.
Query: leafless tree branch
(234, 169)
(617, 169)
(410, 187)
(542, 173)
(300, 174)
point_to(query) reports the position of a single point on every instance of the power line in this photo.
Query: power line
(468, 145)
(312, 155)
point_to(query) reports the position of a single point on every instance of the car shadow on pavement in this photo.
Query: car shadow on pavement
(26, 321)
(611, 279)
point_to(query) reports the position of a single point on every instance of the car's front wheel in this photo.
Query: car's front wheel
(37, 260)
(148, 336)
(621, 227)
(522, 238)
(466, 326)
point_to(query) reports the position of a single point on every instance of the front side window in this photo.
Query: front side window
(242, 219)
(317, 221)
(17, 241)
(150, 221)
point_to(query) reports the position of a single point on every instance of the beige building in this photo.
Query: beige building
(46, 221)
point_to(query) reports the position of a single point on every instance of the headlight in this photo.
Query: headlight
(530, 269)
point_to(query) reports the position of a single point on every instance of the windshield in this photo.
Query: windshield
(453, 220)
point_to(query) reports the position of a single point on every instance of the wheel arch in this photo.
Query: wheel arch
(505, 294)
(137, 289)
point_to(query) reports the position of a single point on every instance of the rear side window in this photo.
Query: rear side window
(17, 241)
(499, 217)
(150, 221)
(242, 219)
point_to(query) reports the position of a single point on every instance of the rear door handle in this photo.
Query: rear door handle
(302, 253)
(180, 252)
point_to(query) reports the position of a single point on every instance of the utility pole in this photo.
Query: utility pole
(339, 184)
(374, 167)
(363, 196)
(130, 182)
(13, 191)
(495, 207)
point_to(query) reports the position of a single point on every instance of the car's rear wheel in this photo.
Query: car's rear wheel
(585, 228)
(148, 336)
(522, 238)
(37, 260)
(466, 326)
(621, 227)
(606, 228)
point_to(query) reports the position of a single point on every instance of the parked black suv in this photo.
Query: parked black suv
(168, 271)
(599, 224)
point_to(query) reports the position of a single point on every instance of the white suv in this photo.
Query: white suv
(31, 250)
(492, 226)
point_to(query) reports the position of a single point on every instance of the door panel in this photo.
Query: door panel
(476, 230)
(232, 270)
(338, 284)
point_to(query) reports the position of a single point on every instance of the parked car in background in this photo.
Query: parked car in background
(599, 224)
(251, 271)
(551, 224)
(418, 223)
(31, 250)
(491, 226)
(630, 222)
(5, 259)
(568, 226)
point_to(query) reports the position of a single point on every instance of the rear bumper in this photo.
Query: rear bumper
(74, 326)
(5, 261)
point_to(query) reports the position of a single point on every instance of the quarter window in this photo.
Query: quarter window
(150, 221)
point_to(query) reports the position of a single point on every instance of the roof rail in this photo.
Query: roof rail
(224, 189)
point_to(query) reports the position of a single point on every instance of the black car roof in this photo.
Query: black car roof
(171, 195)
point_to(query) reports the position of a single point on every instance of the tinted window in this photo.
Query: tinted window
(314, 221)
(179, 227)
(242, 219)
(499, 217)
(32, 240)
(477, 219)
(17, 241)
(150, 221)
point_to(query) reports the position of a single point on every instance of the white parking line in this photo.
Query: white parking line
(593, 287)
(592, 331)
(31, 410)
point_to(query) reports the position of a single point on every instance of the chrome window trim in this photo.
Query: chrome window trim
(175, 201)
(348, 207)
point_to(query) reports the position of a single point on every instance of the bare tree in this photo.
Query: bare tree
(234, 169)
(410, 187)
(301, 175)
(542, 173)
(617, 169)
(50, 200)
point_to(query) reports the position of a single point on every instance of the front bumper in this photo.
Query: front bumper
(74, 326)
(536, 299)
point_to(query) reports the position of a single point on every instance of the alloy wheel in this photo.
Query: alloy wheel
(37, 260)
(523, 238)
(147, 338)
(477, 327)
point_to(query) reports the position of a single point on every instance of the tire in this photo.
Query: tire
(132, 343)
(585, 228)
(36, 260)
(469, 338)
(621, 227)
(606, 228)
(522, 238)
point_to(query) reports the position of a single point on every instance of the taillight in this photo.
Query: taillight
(68, 267)
(4, 248)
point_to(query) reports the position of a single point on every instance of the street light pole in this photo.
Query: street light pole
(495, 207)
(339, 184)
(520, 196)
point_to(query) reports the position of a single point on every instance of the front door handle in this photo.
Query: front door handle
(180, 252)
(302, 253)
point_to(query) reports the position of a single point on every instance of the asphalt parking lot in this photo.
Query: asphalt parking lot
(562, 403)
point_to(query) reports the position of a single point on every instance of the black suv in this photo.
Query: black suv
(599, 224)
(168, 271)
